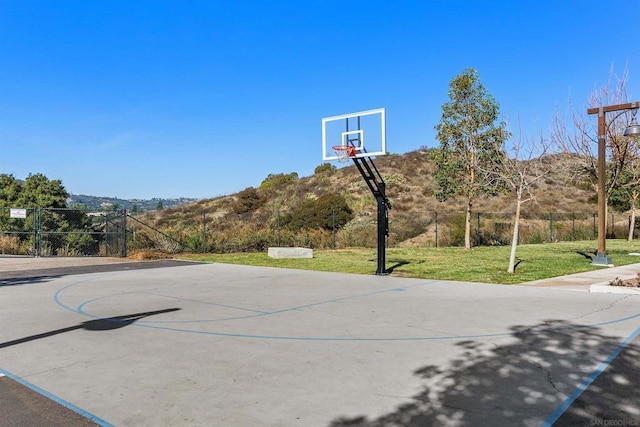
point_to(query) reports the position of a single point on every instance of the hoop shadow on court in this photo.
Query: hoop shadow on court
(396, 265)
(105, 324)
(16, 281)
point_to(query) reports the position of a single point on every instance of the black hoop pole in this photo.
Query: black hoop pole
(376, 184)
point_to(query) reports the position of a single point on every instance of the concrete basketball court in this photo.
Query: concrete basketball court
(229, 345)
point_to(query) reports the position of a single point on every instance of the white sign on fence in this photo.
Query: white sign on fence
(17, 213)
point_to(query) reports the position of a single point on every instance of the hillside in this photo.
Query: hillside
(230, 220)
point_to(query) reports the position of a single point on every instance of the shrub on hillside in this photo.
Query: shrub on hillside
(274, 180)
(405, 229)
(319, 213)
(324, 168)
(248, 200)
(240, 238)
(362, 234)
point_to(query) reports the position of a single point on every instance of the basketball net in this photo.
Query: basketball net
(344, 152)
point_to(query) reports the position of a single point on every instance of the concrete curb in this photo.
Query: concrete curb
(605, 287)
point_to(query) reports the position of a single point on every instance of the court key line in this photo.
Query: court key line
(80, 309)
(146, 324)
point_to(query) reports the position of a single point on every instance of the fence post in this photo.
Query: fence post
(204, 231)
(478, 231)
(333, 227)
(36, 234)
(573, 227)
(107, 236)
(594, 227)
(123, 249)
(550, 228)
(39, 233)
(436, 229)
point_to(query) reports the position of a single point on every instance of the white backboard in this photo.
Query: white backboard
(364, 130)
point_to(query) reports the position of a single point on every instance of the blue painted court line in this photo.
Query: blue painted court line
(590, 379)
(81, 308)
(156, 325)
(57, 399)
(364, 339)
(233, 307)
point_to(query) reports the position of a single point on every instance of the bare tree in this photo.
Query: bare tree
(581, 139)
(634, 193)
(629, 185)
(524, 162)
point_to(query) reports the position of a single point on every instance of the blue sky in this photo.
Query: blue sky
(142, 99)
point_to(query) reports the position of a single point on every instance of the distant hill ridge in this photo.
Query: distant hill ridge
(410, 187)
(110, 203)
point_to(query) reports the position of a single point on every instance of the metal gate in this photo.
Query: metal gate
(62, 232)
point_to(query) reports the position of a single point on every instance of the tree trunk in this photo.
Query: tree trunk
(514, 239)
(632, 224)
(467, 226)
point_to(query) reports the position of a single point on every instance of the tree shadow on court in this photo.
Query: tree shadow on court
(510, 384)
(105, 324)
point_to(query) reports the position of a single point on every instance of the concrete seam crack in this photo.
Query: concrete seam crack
(610, 306)
(548, 375)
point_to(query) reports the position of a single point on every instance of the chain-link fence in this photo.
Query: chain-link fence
(144, 237)
(17, 231)
(433, 229)
(61, 232)
(76, 232)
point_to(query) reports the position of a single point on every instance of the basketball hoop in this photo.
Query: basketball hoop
(344, 152)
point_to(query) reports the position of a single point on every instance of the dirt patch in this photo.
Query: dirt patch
(634, 282)
(148, 255)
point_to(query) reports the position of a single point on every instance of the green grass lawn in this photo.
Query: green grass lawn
(481, 264)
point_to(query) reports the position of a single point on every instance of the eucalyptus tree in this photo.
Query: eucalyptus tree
(470, 136)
